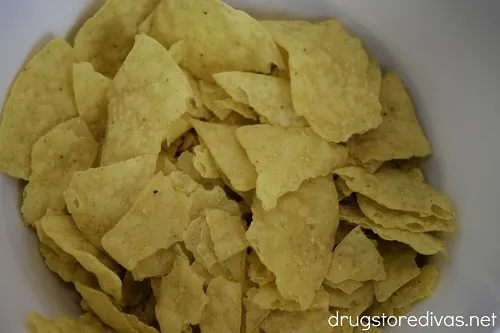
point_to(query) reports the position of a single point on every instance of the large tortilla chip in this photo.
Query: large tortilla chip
(269, 96)
(399, 190)
(62, 230)
(330, 79)
(67, 148)
(143, 100)
(98, 198)
(106, 38)
(155, 222)
(400, 267)
(399, 136)
(296, 244)
(41, 97)
(388, 218)
(222, 314)
(284, 158)
(228, 154)
(209, 30)
(423, 243)
(356, 258)
(181, 298)
(91, 90)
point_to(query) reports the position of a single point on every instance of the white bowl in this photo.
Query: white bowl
(447, 52)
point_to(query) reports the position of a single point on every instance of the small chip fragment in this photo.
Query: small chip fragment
(257, 272)
(284, 158)
(204, 163)
(156, 221)
(227, 233)
(98, 198)
(356, 258)
(339, 299)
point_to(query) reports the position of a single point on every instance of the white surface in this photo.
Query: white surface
(447, 52)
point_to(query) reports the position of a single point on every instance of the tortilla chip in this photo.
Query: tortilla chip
(387, 218)
(347, 286)
(356, 258)
(215, 198)
(269, 96)
(399, 136)
(339, 299)
(139, 109)
(227, 233)
(40, 98)
(228, 154)
(67, 148)
(257, 272)
(254, 316)
(222, 314)
(399, 190)
(155, 222)
(242, 109)
(98, 198)
(85, 323)
(312, 321)
(284, 158)
(106, 38)
(423, 243)
(295, 244)
(203, 26)
(177, 128)
(343, 230)
(211, 93)
(400, 267)
(341, 101)
(63, 232)
(268, 297)
(204, 163)
(156, 265)
(165, 165)
(181, 298)
(91, 90)
(422, 286)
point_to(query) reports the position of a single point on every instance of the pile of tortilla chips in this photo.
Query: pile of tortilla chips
(193, 169)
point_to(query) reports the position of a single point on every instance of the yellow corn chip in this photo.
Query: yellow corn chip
(421, 242)
(267, 297)
(91, 89)
(64, 233)
(312, 321)
(176, 129)
(156, 221)
(156, 265)
(257, 272)
(204, 163)
(68, 147)
(422, 286)
(296, 243)
(196, 110)
(40, 98)
(399, 136)
(197, 239)
(269, 96)
(139, 109)
(109, 313)
(339, 299)
(211, 93)
(222, 314)
(215, 198)
(228, 154)
(165, 165)
(343, 190)
(254, 316)
(85, 323)
(98, 198)
(400, 267)
(399, 190)
(387, 218)
(284, 158)
(181, 298)
(342, 231)
(356, 258)
(69, 271)
(203, 25)
(227, 233)
(347, 286)
(330, 81)
(106, 38)
(242, 109)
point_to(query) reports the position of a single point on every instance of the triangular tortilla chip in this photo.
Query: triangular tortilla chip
(399, 136)
(356, 258)
(284, 158)
(40, 98)
(296, 243)
(203, 27)
(67, 148)
(143, 100)
(330, 81)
